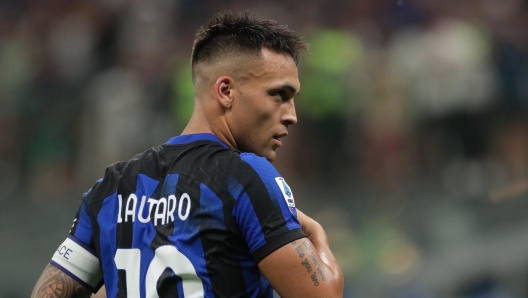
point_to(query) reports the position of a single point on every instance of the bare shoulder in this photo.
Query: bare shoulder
(53, 283)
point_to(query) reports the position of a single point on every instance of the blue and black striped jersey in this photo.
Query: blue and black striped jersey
(189, 218)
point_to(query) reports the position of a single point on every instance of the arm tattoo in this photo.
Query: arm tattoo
(53, 283)
(306, 261)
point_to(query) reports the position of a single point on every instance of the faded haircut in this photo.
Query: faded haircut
(237, 33)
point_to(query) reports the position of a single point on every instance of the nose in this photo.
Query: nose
(289, 117)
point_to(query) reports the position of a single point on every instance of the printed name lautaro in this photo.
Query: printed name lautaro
(164, 209)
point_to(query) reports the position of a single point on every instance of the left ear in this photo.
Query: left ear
(224, 91)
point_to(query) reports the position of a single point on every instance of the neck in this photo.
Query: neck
(215, 124)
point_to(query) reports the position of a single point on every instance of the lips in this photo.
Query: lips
(281, 135)
(278, 136)
(277, 142)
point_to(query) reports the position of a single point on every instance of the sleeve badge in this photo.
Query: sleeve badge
(287, 194)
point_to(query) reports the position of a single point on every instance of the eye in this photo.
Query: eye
(280, 95)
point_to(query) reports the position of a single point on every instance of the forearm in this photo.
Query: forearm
(54, 283)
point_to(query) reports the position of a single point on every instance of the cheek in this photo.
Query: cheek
(253, 132)
(254, 115)
(253, 122)
(262, 124)
(243, 127)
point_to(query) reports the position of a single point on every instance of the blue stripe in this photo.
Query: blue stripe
(145, 186)
(184, 139)
(83, 231)
(107, 219)
(169, 185)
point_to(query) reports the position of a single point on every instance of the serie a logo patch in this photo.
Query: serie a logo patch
(287, 194)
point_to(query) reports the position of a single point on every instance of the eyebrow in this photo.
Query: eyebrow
(290, 88)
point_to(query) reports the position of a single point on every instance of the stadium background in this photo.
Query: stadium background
(411, 147)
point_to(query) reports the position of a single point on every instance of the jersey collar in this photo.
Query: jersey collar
(184, 139)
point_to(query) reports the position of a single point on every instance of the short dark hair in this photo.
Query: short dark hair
(244, 33)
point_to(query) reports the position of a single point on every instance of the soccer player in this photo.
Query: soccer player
(206, 214)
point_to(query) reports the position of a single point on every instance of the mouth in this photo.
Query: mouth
(277, 137)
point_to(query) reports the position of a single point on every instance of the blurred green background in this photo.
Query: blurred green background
(411, 148)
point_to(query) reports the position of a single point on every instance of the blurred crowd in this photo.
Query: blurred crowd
(411, 147)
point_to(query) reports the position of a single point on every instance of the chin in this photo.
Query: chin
(270, 156)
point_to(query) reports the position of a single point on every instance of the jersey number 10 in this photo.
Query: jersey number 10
(165, 256)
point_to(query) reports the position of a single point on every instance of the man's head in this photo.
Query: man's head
(233, 34)
(245, 76)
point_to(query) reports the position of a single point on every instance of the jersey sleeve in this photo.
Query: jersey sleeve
(76, 256)
(265, 208)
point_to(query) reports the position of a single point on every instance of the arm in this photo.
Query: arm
(305, 267)
(54, 283)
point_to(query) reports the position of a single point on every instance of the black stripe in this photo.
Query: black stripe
(76, 221)
(276, 243)
(124, 230)
(222, 247)
(122, 289)
(167, 285)
(162, 231)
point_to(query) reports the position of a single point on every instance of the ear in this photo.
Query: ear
(224, 91)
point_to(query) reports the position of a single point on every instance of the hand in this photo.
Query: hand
(313, 230)
(317, 235)
(309, 226)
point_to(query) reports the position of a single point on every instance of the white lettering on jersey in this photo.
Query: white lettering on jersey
(164, 209)
(131, 211)
(171, 207)
(140, 214)
(161, 211)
